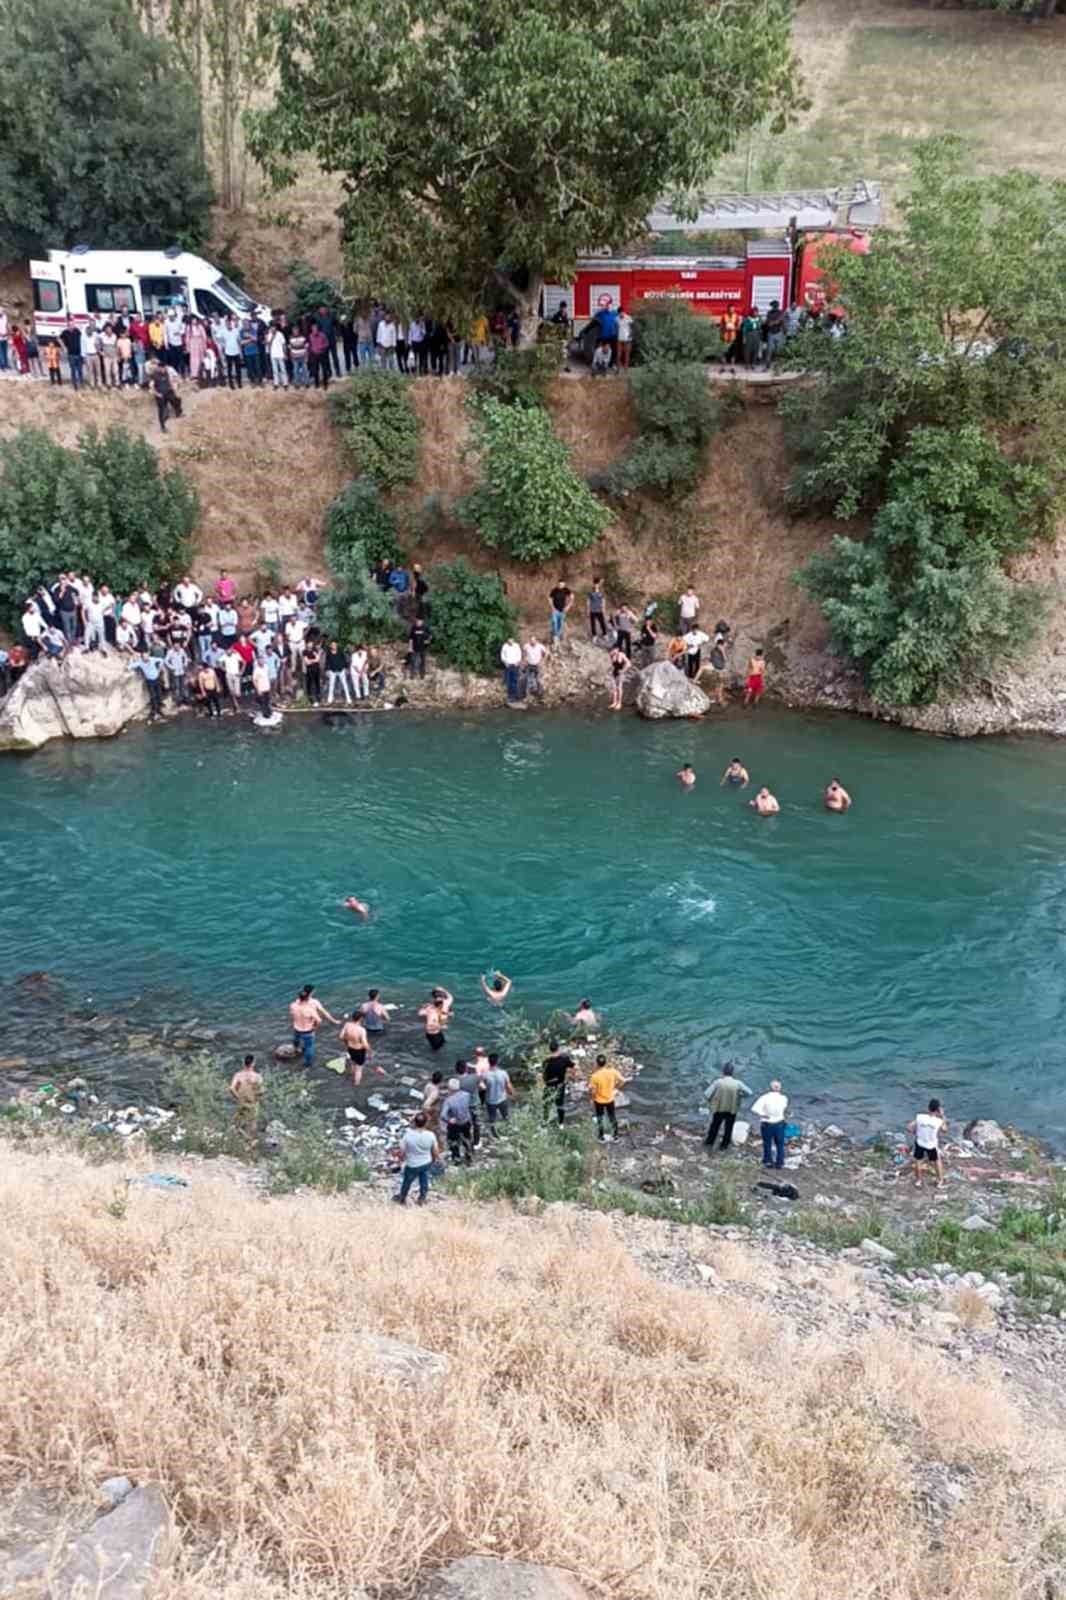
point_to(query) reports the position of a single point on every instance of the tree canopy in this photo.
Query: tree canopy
(485, 144)
(942, 413)
(954, 316)
(99, 131)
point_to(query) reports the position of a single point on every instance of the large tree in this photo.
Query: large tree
(486, 144)
(99, 131)
(955, 315)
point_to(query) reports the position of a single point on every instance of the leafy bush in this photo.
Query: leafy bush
(472, 617)
(199, 1091)
(923, 605)
(308, 290)
(941, 330)
(381, 426)
(677, 416)
(359, 516)
(520, 377)
(546, 1161)
(531, 502)
(354, 610)
(268, 576)
(104, 507)
(666, 330)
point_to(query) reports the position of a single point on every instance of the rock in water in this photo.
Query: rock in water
(665, 692)
(86, 696)
(486, 1578)
(120, 1552)
(986, 1135)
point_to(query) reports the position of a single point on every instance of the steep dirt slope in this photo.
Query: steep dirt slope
(267, 465)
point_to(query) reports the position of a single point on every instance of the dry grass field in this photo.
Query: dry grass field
(655, 1440)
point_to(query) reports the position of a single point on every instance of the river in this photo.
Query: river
(914, 946)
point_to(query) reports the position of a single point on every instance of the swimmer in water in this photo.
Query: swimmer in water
(765, 803)
(353, 1037)
(361, 910)
(584, 1016)
(495, 986)
(686, 777)
(735, 775)
(836, 798)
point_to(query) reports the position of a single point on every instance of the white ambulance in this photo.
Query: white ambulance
(87, 284)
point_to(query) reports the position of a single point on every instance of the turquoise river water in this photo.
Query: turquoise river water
(913, 946)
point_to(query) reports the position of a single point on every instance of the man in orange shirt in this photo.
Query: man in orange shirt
(604, 1084)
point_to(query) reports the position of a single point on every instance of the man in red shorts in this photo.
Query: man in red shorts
(756, 684)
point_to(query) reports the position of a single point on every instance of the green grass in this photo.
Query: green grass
(833, 1231)
(879, 86)
(550, 1164)
(1028, 1243)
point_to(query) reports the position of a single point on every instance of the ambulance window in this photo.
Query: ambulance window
(209, 305)
(47, 295)
(109, 297)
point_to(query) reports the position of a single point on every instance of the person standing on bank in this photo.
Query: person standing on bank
(307, 1015)
(597, 604)
(770, 1109)
(419, 1148)
(604, 1085)
(724, 1097)
(561, 599)
(557, 1070)
(927, 1128)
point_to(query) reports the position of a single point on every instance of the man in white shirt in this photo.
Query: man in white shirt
(927, 1128)
(287, 605)
(296, 632)
(32, 628)
(770, 1108)
(188, 594)
(695, 639)
(387, 342)
(357, 671)
(270, 611)
(511, 657)
(535, 653)
(131, 615)
(231, 349)
(689, 606)
(95, 638)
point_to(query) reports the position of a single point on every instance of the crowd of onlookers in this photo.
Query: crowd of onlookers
(219, 650)
(120, 350)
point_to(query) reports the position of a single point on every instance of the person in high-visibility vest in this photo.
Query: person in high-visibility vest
(730, 331)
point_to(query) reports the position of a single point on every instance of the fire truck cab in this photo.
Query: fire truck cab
(782, 267)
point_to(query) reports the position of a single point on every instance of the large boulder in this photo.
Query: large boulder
(88, 695)
(986, 1134)
(486, 1578)
(665, 692)
(121, 1553)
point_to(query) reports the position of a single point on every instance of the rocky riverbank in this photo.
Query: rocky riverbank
(836, 1191)
(94, 696)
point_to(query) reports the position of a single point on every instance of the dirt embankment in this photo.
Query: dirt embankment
(267, 465)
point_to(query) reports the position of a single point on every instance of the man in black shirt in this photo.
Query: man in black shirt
(557, 1071)
(418, 638)
(562, 598)
(70, 339)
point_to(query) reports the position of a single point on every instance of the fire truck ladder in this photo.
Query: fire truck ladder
(855, 205)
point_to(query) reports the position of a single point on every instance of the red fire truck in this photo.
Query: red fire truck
(783, 267)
